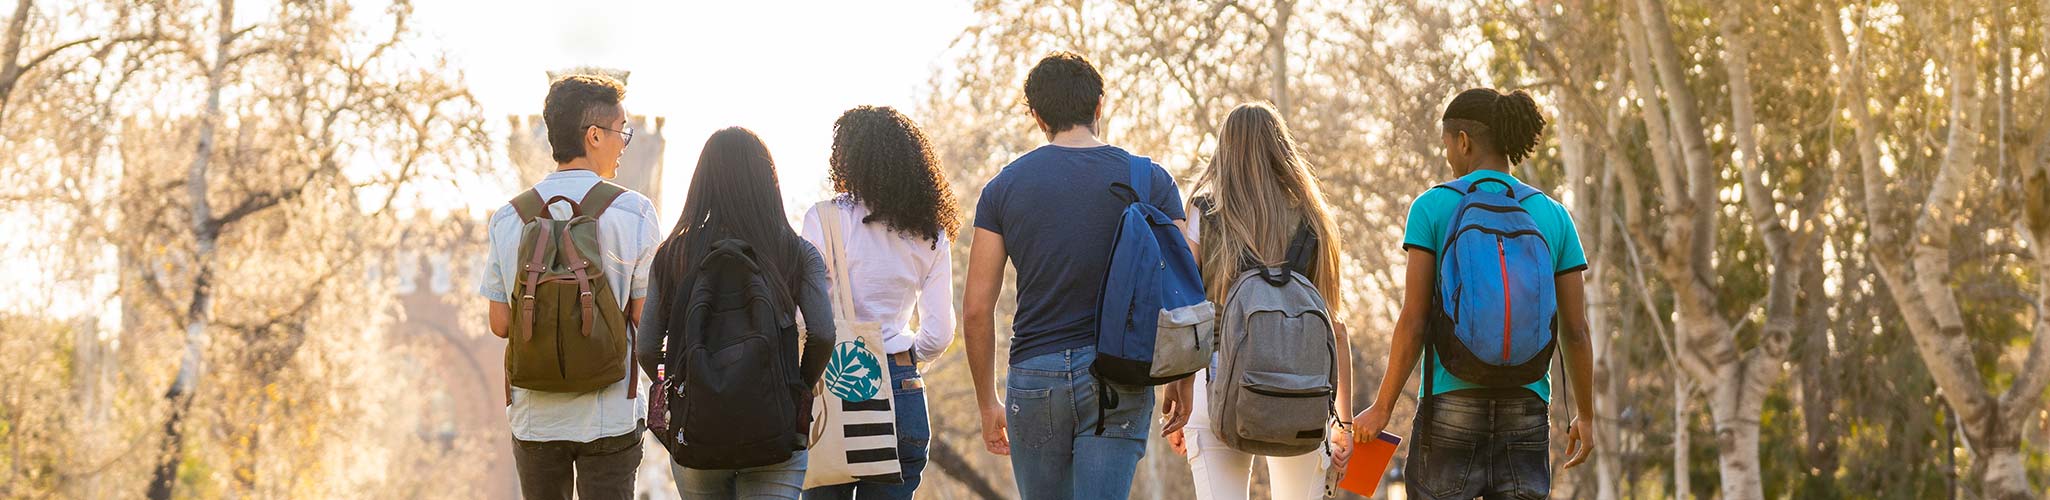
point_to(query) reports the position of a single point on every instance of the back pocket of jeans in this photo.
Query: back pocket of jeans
(1444, 464)
(1028, 415)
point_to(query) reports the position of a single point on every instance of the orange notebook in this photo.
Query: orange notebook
(1369, 462)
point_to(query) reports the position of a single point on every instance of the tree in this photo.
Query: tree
(247, 217)
(1917, 265)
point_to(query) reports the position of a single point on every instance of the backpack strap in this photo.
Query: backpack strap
(1301, 249)
(1142, 178)
(536, 264)
(580, 266)
(600, 198)
(529, 205)
(1457, 186)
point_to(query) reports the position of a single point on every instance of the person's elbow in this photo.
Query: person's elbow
(974, 317)
(500, 323)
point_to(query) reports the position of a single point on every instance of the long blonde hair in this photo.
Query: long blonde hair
(1262, 190)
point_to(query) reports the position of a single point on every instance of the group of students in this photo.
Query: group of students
(736, 317)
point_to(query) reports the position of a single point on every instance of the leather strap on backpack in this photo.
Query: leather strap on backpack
(536, 264)
(577, 266)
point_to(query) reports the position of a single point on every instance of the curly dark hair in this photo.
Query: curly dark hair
(1064, 89)
(574, 103)
(1503, 123)
(882, 160)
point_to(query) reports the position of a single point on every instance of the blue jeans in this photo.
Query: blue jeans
(1488, 447)
(1051, 404)
(784, 480)
(914, 432)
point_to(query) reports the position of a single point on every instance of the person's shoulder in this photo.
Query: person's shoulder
(1434, 197)
(504, 215)
(1543, 201)
(634, 202)
(812, 258)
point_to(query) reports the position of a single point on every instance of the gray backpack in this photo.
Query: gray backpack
(1274, 384)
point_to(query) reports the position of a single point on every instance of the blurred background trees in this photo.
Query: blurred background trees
(231, 176)
(1819, 229)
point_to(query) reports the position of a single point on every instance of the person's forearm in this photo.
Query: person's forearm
(1403, 352)
(500, 320)
(1343, 344)
(981, 340)
(1580, 367)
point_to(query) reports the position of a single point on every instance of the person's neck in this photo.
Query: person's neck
(1076, 137)
(1498, 164)
(582, 163)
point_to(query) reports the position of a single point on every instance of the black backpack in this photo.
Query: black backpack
(732, 398)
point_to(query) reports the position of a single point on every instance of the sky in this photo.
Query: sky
(703, 66)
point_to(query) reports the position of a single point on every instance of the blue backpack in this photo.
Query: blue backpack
(1153, 323)
(1494, 316)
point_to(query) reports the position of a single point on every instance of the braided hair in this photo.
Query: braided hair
(1506, 124)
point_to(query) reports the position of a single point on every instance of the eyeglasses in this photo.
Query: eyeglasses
(628, 134)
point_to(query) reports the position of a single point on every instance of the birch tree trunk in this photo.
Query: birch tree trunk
(1916, 271)
(206, 233)
(1737, 377)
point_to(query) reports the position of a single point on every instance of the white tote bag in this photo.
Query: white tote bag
(854, 425)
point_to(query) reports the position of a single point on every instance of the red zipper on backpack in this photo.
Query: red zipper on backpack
(1508, 307)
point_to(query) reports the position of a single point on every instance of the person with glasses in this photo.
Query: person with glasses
(586, 442)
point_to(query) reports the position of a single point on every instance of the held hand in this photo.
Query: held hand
(1179, 442)
(1579, 442)
(1174, 411)
(993, 434)
(1339, 438)
(1370, 422)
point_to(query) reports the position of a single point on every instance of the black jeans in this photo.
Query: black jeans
(1487, 446)
(600, 469)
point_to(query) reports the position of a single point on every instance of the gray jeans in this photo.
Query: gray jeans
(600, 469)
(784, 480)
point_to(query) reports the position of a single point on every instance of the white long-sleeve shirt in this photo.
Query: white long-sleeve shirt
(890, 273)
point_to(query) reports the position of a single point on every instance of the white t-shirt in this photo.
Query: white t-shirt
(628, 235)
(890, 272)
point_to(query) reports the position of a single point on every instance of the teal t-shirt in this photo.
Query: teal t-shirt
(1425, 230)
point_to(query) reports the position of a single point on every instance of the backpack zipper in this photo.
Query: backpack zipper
(1508, 307)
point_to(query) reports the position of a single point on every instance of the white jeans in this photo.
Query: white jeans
(1223, 473)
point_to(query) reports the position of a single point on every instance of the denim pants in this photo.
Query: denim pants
(914, 432)
(1051, 405)
(1488, 447)
(784, 480)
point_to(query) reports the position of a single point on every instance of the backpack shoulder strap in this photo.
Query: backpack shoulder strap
(600, 198)
(529, 206)
(1302, 250)
(1142, 178)
(1456, 186)
(1526, 192)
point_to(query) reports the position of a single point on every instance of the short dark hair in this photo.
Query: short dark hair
(576, 102)
(1064, 90)
(1508, 124)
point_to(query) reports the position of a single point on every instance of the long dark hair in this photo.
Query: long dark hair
(733, 194)
(883, 161)
(1508, 124)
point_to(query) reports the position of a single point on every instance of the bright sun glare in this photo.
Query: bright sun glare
(703, 66)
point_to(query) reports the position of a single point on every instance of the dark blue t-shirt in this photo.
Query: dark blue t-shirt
(1057, 214)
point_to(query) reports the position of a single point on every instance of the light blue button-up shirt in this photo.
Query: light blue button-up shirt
(628, 235)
